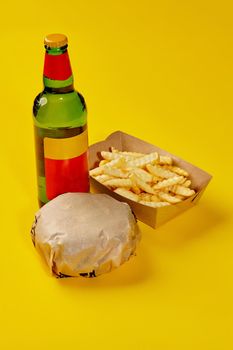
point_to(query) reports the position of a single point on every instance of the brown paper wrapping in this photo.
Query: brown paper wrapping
(85, 234)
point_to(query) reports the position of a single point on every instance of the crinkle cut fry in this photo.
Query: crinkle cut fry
(116, 172)
(99, 170)
(168, 182)
(165, 160)
(143, 185)
(102, 178)
(127, 194)
(118, 183)
(142, 161)
(142, 174)
(155, 204)
(183, 191)
(177, 170)
(168, 198)
(160, 171)
(130, 154)
(111, 156)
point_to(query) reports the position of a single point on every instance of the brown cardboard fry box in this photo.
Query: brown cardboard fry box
(153, 217)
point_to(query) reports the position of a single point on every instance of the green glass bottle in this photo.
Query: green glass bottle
(60, 124)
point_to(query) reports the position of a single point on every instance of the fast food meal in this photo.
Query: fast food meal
(84, 234)
(149, 179)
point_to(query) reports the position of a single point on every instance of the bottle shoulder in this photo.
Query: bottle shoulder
(59, 110)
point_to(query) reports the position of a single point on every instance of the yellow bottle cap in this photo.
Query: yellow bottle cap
(55, 40)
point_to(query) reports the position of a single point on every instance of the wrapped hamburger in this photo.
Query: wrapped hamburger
(84, 234)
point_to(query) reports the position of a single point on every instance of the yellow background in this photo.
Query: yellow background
(159, 70)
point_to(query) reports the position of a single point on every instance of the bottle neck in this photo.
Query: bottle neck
(57, 76)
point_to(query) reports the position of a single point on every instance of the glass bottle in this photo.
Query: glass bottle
(60, 125)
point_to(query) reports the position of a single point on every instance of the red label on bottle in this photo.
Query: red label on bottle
(66, 165)
(69, 175)
(57, 67)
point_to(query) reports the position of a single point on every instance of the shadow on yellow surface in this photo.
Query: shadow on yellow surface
(192, 225)
(136, 271)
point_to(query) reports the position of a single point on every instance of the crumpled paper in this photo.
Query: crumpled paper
(84, 234)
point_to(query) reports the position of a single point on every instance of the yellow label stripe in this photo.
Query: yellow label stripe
(66, 148)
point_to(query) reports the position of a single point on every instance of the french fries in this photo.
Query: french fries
(103, 177)
(155, 204)
(168, 182)
(159, 171)
(116, 163)
(142, 184)
(165, 160)
(118, 183)
(149, 179)
(142, 161)
(128, 194)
